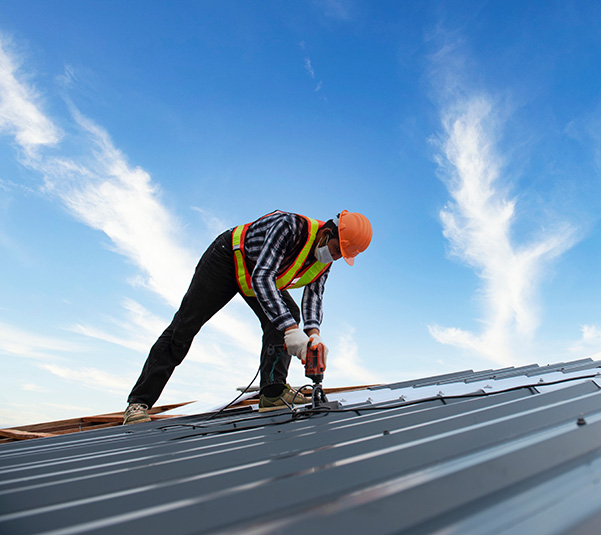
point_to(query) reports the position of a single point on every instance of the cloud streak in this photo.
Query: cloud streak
(478, 221)
(105, 192)
(138, 332)
(21, 343)
(344, 364)
(335, 9)
(590, 341)
(20, 115)
(309, 67)
(102, 190)
(92, 378)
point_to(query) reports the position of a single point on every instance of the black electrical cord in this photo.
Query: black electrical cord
(295, 415)
(237, 397)
(306, 413)
(213, 415)
(460, 396)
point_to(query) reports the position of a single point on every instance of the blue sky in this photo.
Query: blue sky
(131, 134)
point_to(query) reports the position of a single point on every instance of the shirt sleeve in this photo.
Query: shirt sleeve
(312, 304)
(263, 278)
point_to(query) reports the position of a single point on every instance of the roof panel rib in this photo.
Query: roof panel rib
(414, 457)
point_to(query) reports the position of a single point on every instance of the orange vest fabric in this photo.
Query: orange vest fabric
(293, 277)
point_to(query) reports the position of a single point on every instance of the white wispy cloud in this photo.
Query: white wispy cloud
(213, 224)
(590, 340)
(311, 71)
(309, 68)
(107, 194)
(33, 387)
(23, 343)
(136, 331)
(589, 127)
(92, 377)
(20, 114)
(345, 366)
(135, 342)
(14, 414)
(102, 190)
(478, 222)
(123, 202)
(335, 9)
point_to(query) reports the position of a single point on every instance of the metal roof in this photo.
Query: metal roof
(506, 451)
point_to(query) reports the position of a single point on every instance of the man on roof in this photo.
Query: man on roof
(261, 261)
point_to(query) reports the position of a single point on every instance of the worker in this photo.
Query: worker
(261, 261)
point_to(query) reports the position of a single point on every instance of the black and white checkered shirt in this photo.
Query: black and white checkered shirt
(271, 245)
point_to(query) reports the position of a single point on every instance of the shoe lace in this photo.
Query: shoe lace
(135, 407)
(295, 394)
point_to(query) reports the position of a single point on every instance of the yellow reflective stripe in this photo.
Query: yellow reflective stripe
(290, 278)
(311, 274)
(284, 280)
(236, 237)
(241, 272)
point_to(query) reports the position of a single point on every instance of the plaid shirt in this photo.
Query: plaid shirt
(271, 245)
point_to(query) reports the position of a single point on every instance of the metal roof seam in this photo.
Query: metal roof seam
(472, 460)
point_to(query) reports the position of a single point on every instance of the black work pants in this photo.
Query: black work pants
(213, 286)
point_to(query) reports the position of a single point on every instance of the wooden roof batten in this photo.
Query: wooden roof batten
(84, 423)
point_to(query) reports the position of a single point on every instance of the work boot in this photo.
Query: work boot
(135, 414)
(286, 399)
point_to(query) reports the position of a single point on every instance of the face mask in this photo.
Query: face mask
(323, 254)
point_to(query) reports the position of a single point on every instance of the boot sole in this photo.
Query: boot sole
(136, 421)
(278, 408)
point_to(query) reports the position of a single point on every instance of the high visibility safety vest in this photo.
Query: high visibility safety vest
(294, 276)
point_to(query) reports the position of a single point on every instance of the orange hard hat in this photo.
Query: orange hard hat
(354, 233)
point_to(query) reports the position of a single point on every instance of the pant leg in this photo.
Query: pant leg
(274, 360)
(213, 286)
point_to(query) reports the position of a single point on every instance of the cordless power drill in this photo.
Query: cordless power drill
(314, 367)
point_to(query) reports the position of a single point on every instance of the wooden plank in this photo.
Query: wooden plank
(326, 390)
(118, 418)
(306, 392)
(348, 388)
(154, 410)
(23, 435)
(74, 425)
(50, 426)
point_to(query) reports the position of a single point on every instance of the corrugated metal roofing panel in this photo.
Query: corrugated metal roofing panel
(432, 465)
(425, 381)
(571, 367)
(478, 376)
(488, 384)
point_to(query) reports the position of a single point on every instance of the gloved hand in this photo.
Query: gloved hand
(295, 343)
(315, 339)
